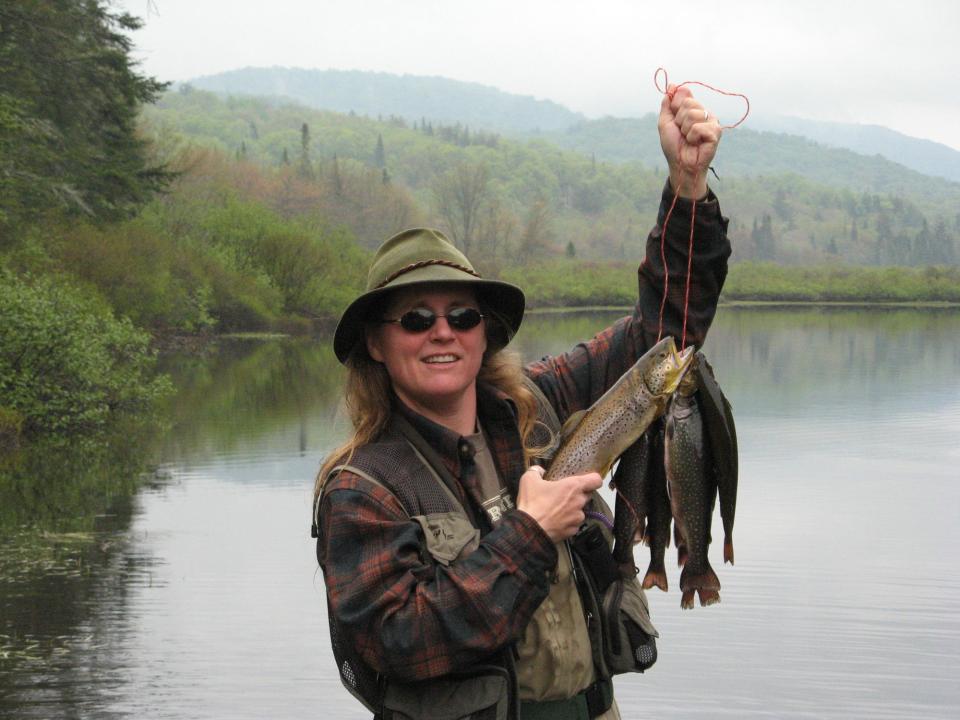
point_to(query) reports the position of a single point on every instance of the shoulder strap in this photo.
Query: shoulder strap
(427, 456)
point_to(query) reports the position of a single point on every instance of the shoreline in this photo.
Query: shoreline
(910, 304)
(186, 342)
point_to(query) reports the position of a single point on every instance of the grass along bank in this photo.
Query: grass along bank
(569, 283)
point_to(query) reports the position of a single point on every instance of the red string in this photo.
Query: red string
(693, 208)
(701, 84)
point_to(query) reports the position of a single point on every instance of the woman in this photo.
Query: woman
(449, 576)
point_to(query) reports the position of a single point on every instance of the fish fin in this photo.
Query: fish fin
(571, 424)
(708, 596)
(656, 575)
(706, 579)
(728, 550)
(686, 600)
(655, 578)
(682, 555)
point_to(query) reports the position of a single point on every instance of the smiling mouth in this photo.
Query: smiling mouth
(440, 359)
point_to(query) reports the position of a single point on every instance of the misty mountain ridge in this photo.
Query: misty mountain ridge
(412, 97)
(439, 99)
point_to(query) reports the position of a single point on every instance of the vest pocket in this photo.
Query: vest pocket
(480, 697)
(448, 535)
(630, 638)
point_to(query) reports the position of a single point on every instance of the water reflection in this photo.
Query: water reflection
(200, 596)
(65, 556)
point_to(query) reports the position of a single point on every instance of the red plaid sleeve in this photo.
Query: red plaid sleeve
(575, 380)
(414, 619)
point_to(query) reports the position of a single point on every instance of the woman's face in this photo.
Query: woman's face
(433, 371)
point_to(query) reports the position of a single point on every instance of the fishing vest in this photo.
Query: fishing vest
(562, 651)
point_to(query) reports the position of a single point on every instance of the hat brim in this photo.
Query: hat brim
(505, 301)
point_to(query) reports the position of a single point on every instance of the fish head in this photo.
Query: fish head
(666, 367)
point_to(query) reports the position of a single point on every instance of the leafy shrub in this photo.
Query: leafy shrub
(66, 362)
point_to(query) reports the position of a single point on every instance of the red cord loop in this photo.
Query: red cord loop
(666, 84)
(693, 208)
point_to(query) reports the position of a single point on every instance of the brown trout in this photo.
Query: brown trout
(691, 489)
(722, 435)
(595, 438)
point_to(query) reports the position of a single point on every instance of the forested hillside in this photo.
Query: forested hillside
(408, 96)
(925, 156)
(524, 199)
(437, 99)
(124, 222)
(749, 153)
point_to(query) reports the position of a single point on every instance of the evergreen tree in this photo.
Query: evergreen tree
(305, 169)
(69, 99)
(379, 156)
(571, 250)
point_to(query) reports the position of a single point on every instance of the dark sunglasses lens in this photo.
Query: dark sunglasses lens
(464, 318)
(417, 320)
(421, 319)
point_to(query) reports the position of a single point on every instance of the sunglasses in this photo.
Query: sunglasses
(420, 320)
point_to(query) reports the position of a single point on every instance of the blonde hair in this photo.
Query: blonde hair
(367, 399)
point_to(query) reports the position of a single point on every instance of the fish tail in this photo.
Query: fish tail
(686, 601)
(708, 596)
(728, 550)
(656, 575)
(706, 579)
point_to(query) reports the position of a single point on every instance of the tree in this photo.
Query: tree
(69, 99)
(943, 243)
(537, 233)
(461, 195)
(379, 156)
(305, 169)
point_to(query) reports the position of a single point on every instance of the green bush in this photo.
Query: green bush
(66, 362)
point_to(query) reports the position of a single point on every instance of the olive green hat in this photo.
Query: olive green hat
(422, 255)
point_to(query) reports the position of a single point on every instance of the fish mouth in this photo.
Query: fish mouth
(681, 362)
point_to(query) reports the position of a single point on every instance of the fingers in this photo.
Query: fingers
(557, 506)
(590, 481)
(695, 122)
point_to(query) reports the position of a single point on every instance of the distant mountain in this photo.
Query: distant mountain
(408, 96)
(748, 152)
(868, 210)
(862, 158)
(925, 156)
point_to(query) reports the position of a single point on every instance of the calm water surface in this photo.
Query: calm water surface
(199, 597)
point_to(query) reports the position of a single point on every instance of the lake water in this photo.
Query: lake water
(194, 593)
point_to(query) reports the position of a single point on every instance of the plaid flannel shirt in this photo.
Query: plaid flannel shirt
(412, 619)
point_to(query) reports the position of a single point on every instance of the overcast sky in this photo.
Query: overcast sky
(883, 62)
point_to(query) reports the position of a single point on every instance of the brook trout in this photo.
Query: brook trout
(595, 438)
(691, 490)
(659, 517)
(722, 435)
(631, 481)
